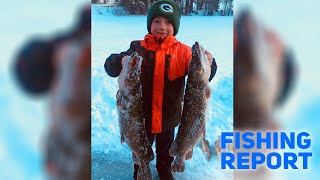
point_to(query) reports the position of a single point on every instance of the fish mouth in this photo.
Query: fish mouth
(198, 53)
(135, 63)
(200, 61)
(195, 50)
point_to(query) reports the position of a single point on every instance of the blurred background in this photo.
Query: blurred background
(295, 23)
(24, 118)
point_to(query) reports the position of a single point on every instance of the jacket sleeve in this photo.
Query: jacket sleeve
(213, 69)
(113, 64)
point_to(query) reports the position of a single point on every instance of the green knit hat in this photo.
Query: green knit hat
(167, 9)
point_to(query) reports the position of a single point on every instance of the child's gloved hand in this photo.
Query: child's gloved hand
(209, 56)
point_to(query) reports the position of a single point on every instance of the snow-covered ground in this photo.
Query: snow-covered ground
(112, 34)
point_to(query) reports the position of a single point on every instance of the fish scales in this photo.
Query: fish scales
(131, 119)
(193, 120)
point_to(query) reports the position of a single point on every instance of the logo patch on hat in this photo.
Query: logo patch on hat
(166, 8)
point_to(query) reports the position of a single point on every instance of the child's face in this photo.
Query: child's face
(161, 26)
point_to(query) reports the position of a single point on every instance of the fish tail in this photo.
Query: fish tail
(206, 148)
(178, 165)
(189, 154)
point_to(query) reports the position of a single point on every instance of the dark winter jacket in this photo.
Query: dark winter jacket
(176, 66)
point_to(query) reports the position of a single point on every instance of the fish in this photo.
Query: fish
(193, 120)
(131, 118)
(67, 151)
(258, 76)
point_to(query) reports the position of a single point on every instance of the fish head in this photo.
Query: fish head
(257, 61)
(199, 64)
(132, 71)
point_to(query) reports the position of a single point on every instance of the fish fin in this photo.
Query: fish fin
(217, 147)
(189, 154)
(122, 138)
(206, 148)
(231, 148)
(136, 159)
(150, 154)
(118, 97)
(208, 91)
(173, 149)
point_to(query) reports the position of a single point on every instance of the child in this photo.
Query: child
(164, 68)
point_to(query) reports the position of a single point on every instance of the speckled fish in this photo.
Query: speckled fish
(259, 74)
(193, 120)
(131, 119)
